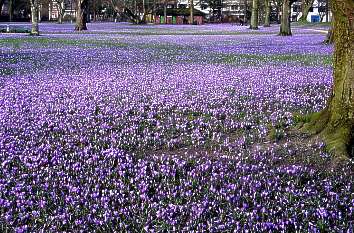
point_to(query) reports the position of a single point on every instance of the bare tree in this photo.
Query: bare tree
(322, 9)
(135, 10)
(268, 8)
(34, 17)
(61, 9)
(191, 8)
(11, 10)
(285, 29)
(81, 15)
(254, 17)
(306, 6)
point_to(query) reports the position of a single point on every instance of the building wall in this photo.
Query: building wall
(318, 9)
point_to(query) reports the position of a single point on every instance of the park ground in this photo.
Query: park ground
(167, 128)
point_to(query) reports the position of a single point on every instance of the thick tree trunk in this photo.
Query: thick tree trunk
(34, 17)
(335, 124)
(306, 5)
(11, 10)
(81, 15)
(254, 17)
(191, 8)
(285, 29)
(267, 13)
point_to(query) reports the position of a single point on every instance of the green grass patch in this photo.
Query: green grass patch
(255, 59)
(6, 71)
(52, 41)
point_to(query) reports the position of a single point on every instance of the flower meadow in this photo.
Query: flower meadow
(166, 128)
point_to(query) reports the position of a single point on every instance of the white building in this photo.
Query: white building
(318, 12)
(68, 5)
(225, 8)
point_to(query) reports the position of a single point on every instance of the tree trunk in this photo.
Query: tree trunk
(254, 17)
(285, 29)
(306, 5)
(154, 10)
(60, 18)
(245, 13)
(1, 4)
(34, 17)
(335, 124)
(61, 10)
(11, 10)
(191, 16)
(267, 13)
(165, 13)
(329, 37)
(81, 15)
(143, 20)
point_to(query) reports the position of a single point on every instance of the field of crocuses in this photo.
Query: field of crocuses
(166, 128)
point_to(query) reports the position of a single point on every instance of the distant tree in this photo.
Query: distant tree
(268, 8)
(322, 8)
(191, 16)
(215, 7)
(81, 15)
(11, 10)
(335, 123)
(94, 8)
(34, 17)
(254, 17)
(137, 10)
(61, 10)
(306, 6)
(278, 8)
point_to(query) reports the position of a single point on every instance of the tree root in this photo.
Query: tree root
(338, 138)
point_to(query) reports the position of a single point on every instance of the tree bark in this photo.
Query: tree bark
(191, 8)
(61, 10)
(306, 5)
(11, 10)
(254, 16)
(154, 11)
(165, 13)
(335, 124)
(285, 29)
(330, 36)
(1, 4)
(267, 13)
(34, 17)
(245, 13)
(81, 15)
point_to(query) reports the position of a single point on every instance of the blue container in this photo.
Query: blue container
(315, 18)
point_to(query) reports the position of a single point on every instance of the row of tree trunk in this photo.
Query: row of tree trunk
(80, 19)
(285, 29)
